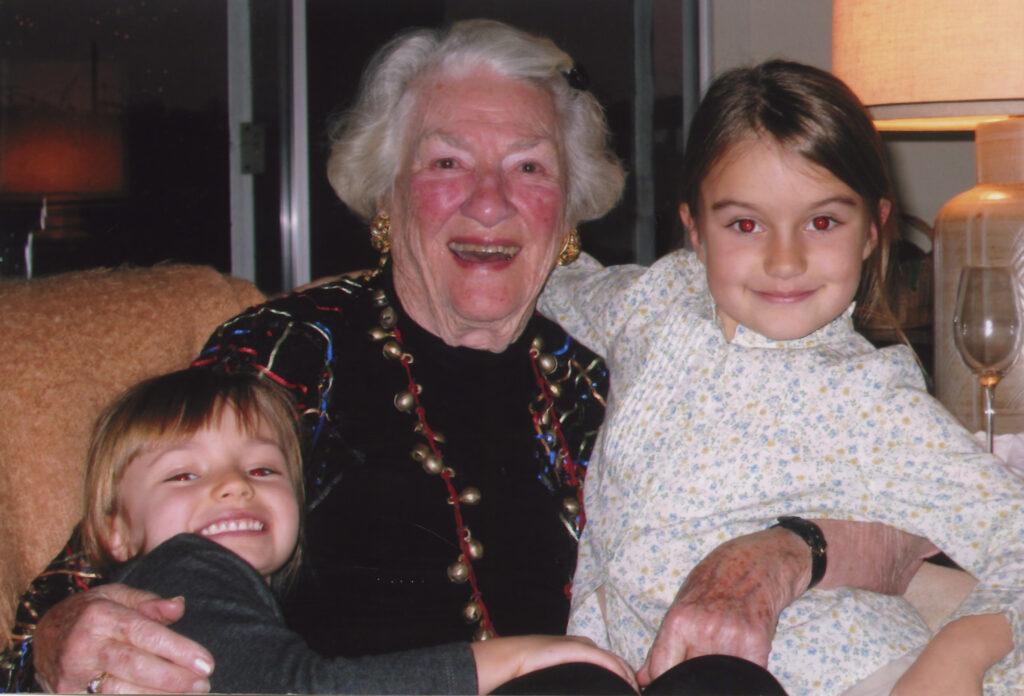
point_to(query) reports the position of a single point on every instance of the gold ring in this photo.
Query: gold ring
(93, 687)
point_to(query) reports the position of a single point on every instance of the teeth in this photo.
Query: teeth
(232, 526)
(484, 249)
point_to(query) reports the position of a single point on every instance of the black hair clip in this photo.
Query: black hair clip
(577, 77)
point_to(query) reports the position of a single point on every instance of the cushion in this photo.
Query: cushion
(69, 344)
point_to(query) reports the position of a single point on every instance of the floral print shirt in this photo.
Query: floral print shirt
(707, 439)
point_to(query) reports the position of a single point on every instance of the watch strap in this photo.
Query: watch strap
(813, 537)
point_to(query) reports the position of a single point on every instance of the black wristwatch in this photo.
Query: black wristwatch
(812, 536)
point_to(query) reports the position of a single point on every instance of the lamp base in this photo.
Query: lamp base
(982, 226)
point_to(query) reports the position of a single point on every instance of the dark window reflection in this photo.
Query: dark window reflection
(118, 108)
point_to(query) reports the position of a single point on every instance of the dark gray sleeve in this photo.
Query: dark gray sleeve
(231, 612)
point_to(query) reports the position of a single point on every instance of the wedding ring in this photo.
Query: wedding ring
(93, 687)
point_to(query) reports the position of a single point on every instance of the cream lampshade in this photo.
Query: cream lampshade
(952, 65)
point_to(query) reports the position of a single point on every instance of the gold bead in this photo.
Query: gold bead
(391, 350)
(547, 363)
(483, 634)
(432, 464)
(420, 430)
(405, 401)
(470, 495)
(545, 418)
(475, 548)
(378, 334)
(458, 572)
(537, 343)
(420, 452)
(555, 389)
(571, 506)
(388, 317)
(472, 611)
(380, 298)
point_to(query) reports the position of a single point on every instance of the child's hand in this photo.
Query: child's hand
(500, 659)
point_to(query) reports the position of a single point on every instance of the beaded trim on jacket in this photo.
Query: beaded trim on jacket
(549, 375)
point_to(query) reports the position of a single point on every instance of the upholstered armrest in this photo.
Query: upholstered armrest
(69, 344)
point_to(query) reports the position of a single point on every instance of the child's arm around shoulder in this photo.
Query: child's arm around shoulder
(593, 302)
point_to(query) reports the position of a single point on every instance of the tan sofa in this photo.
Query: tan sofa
(68, 344)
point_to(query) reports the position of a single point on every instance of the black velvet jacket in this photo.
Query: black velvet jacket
(379, 533)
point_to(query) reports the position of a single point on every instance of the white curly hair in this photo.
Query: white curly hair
(367, 141)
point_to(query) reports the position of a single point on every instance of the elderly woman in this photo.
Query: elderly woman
(449, 425)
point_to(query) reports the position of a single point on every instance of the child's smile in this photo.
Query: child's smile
(783, 240)
(223, 483)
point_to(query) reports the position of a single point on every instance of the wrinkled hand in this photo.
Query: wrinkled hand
(731, 601)
(122, 632)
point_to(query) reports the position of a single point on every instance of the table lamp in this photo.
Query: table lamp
(942, 65)
(59, 159)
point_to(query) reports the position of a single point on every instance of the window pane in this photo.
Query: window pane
(115, 113)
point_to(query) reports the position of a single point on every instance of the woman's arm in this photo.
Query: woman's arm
(118, 631)
(731, 601)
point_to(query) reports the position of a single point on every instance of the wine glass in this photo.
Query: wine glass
(987, 328)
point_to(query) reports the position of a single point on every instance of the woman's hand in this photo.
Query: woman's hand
(119, 632)
(499, 660)
(731, 601)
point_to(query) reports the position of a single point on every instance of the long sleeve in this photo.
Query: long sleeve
(69, 572)
(230, 609)
(590, 301)
(926, 474)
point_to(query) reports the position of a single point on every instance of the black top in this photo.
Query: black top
(380, 534)
(230, 610)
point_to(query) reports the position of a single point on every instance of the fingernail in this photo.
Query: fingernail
(201, 687)
(203, 666)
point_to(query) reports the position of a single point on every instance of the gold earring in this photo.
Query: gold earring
(380, 233)
(570, 250)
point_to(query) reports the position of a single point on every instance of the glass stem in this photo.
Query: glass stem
(990, 412)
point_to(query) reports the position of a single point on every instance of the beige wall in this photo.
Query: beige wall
(928, 169)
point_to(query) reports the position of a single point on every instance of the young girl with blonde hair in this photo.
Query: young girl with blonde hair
(194, 489)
